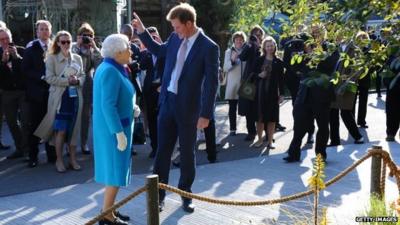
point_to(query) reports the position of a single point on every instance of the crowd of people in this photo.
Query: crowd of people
(52, 88)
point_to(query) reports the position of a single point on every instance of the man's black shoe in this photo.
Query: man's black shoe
(188, 206)
(363, 126)
(279, 127)
(390, 138)
(15, 155)
(32, 163)
(291, 159)
(250, 137)
(232, 133)
(161, 206)
(121, 216)
(4, 147)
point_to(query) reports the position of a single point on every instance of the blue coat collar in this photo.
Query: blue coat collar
(118, 66)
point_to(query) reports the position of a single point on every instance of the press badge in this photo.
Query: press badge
(73, 92)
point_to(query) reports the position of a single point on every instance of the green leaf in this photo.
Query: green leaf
(351, 87)
(346, 63)
(293, 59)
(299, 59)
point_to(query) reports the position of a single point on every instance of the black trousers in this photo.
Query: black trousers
(152, 114)
(378, 84)
(349, 122)
(233, 104)
(211, 147)
(37, 112)
(392, 110)
(362, 105)
(304, 115)
(251, 124)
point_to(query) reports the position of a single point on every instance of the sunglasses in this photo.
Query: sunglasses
(65, 42)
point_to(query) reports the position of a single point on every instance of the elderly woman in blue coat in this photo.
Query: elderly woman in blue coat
(113, 113)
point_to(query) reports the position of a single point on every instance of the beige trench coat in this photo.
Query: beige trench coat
(233, 76)
(55, 65)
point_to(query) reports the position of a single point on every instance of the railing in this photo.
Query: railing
(380, 160)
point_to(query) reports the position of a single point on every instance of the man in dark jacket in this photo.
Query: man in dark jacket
(37, 88)
(313, 102)
(154, 67)
(13, 97)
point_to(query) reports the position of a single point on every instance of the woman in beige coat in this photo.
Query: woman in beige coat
(62, 122)
(234, 68)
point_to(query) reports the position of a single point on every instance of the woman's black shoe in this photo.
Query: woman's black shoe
(121, 216)
(116, 221)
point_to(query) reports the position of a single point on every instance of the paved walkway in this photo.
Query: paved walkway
(253, 177)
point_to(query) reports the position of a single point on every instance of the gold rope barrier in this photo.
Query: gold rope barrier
(385, 156)
(387, 161)
(116, 206)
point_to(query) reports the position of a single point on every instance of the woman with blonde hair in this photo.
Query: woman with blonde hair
(63, 119)
(269, 70)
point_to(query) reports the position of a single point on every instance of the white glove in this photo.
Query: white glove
(122, 141)
(136, 111)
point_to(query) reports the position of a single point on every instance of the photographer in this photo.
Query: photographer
(91, 58)
(13, 97)
(249, 54)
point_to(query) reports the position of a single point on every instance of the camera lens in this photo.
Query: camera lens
(85, 40)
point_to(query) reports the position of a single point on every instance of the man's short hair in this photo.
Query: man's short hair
(184, 12)
(85, 28)
(42, 22)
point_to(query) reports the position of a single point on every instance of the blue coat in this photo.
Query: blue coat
(113, 101)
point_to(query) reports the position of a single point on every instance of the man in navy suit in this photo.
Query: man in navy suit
(37, 92)
(188, 92)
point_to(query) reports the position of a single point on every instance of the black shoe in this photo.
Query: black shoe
(116, 221)
(161, 206)
(289, 159)
(279, 127)
(15, 155)
(188, 206)
(4, 147)
(232, 133)
(152, 154)
(32, 163)
(121, 216)
(250, 137)
(390, 138)
(363, 126)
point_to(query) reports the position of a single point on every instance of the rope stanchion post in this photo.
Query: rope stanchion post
(376, 169)
(152, 200)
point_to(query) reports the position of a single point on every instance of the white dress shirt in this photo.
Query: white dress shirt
(173, 84)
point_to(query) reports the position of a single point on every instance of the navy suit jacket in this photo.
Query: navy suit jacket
(197, 85)
(34, 67)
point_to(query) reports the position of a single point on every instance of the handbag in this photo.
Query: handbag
(139, 137)
(247, 89)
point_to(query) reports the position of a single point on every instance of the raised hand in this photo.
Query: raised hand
(137, 23)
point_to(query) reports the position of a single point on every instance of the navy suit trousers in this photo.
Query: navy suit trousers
(170, 127)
